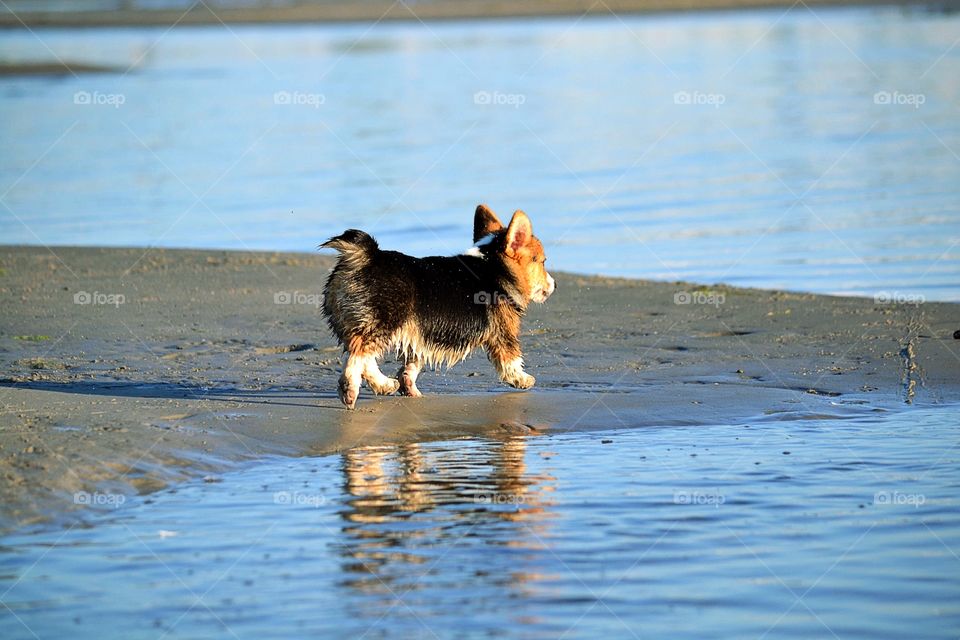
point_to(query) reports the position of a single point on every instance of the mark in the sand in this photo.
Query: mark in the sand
(175, 416)
(37, 364)
(821, 392)
(593, 385)
(172, 422)
(67, 428)
(515, 427)
(722, 334)
(233, 415)
(286, 348)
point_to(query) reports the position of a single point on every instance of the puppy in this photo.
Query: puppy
(434, 310)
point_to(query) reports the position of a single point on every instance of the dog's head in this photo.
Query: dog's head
(518, 248)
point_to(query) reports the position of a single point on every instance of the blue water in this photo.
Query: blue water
(812, 528)
(786, 169)
(807, 150)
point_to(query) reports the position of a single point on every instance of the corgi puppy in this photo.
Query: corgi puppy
(434, 310)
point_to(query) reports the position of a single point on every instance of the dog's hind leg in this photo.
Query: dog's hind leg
(349, 387)
(379, 383)
(408, 378)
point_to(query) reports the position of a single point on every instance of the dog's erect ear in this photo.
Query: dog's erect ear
(518, 233)
(485, 222)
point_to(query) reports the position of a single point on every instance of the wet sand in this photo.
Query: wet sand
(344, 11)
(127, 370)
(55, 68)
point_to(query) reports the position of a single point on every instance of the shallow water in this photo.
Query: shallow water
(743, 147)
(815, 527)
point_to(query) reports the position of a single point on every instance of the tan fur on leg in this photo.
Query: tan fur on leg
(408, 379)
(379, 383)
(349, 388)
(511, 371)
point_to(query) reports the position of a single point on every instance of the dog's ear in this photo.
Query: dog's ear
(518, 233)
(485, 222)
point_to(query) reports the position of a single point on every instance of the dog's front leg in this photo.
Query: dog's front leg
(508, 361)
(511, 371)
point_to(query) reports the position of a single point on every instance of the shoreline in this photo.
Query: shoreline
(126, 371)
(437, 10)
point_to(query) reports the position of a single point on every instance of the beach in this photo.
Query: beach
(126, 371)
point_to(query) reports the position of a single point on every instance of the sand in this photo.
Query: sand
(386, 11)
(55, 68)
(128, 370)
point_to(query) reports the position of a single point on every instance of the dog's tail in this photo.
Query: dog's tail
(355, 246)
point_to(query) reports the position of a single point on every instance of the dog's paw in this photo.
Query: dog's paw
(407, 385)
(347, 394)
(522, 381)
(391, 385)
(410, 391)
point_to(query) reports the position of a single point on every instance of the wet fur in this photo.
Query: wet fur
(435, 310)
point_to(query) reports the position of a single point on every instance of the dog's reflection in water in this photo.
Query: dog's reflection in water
(444, 517)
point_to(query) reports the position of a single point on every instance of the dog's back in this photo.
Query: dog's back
(436, 309)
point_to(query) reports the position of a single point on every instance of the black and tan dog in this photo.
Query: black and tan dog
(434, 310)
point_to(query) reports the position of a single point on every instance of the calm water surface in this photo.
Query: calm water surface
(814, 151)
(817, 527)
